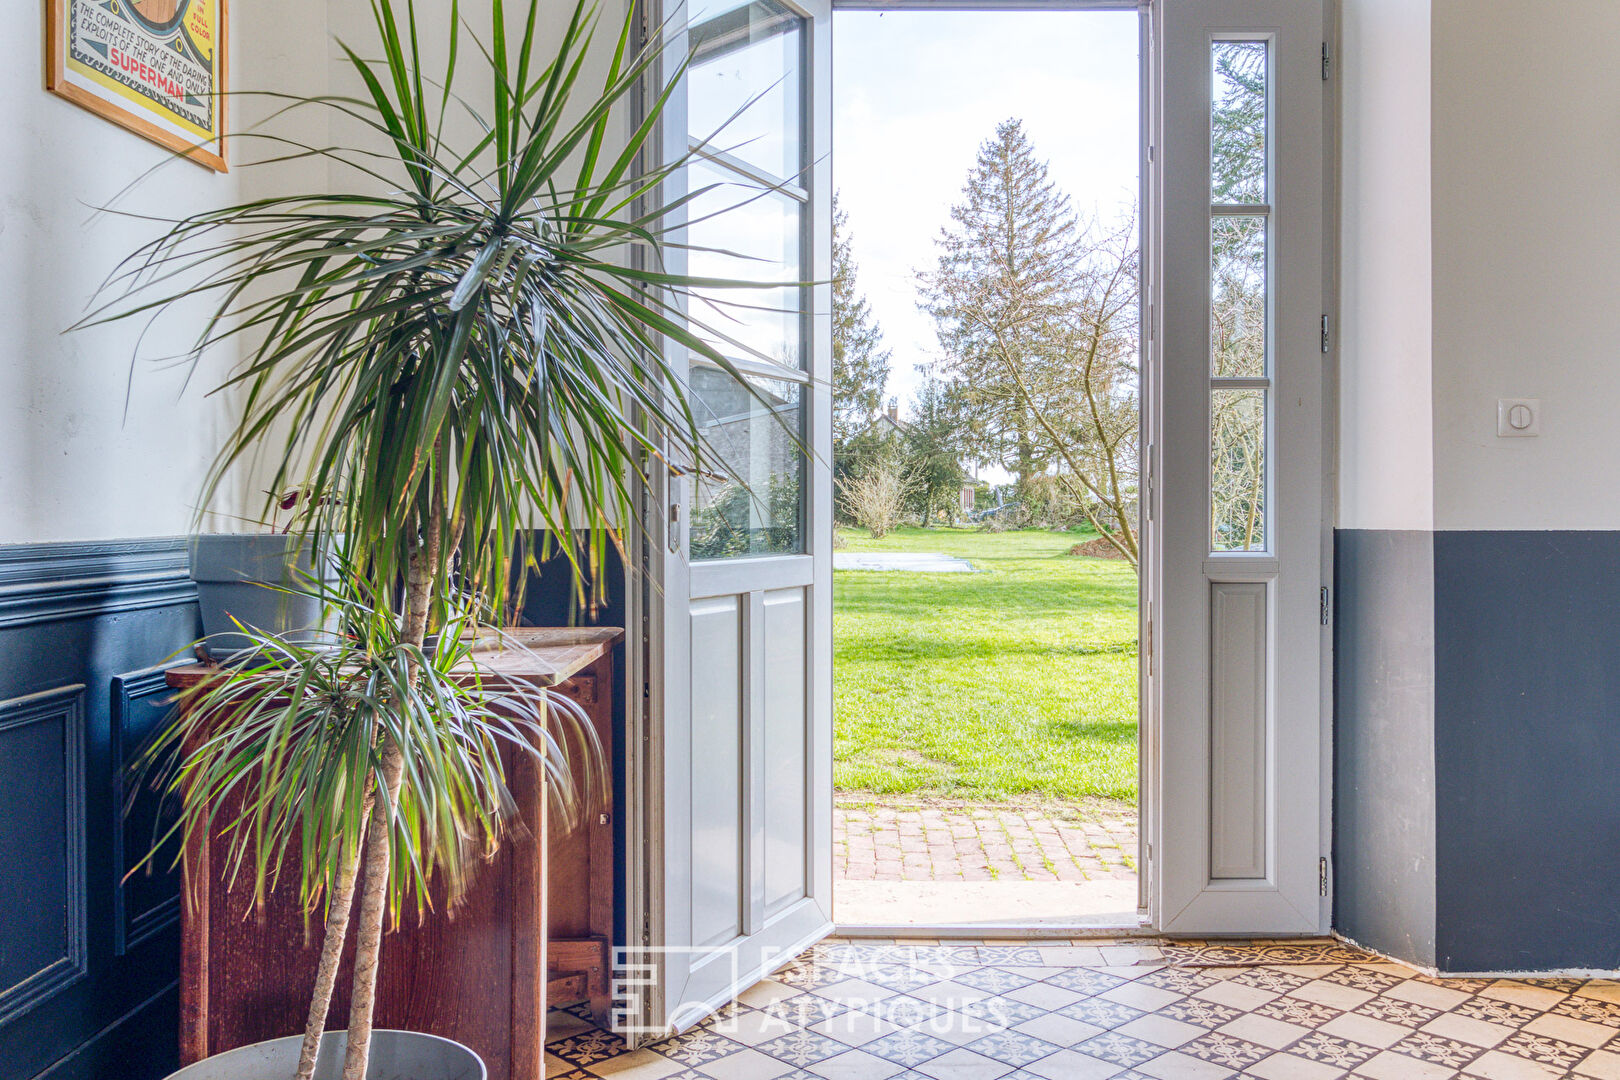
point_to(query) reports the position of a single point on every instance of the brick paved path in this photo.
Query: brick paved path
(969, 841)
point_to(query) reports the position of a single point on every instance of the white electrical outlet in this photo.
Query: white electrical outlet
(1518, 418)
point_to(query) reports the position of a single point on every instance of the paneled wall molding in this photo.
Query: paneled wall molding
(56, 581)
(65, 706)
(148, 902)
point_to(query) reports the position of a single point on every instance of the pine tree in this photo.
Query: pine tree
(998, 291)
(1037, 316)
(934, 445)
(860, 362)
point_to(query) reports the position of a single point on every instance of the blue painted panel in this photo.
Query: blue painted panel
(42, 887)
(1527, 750)
(82, 615)
(146, 889)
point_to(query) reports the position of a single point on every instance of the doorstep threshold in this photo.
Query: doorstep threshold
(1128, 926)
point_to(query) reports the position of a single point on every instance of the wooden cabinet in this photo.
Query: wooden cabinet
(482, 974)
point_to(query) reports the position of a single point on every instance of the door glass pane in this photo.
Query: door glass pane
(1237, 325)
(1238, 135)
(741, 232)
(1237, 481)
(743, 86)
(748, 496)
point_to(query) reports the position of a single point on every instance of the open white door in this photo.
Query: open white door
(737, 760)
(1241, 375)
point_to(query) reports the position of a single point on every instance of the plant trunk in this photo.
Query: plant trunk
(337, 928)
(423, 565)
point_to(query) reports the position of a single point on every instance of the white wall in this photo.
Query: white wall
(72, 465)
(1386, 435)
(1526, 262)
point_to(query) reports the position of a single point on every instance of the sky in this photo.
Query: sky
(914, 95)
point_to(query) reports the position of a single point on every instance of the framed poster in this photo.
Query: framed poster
(156, 67)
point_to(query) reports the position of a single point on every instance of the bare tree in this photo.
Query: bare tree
(876, 496)
(1038, 316)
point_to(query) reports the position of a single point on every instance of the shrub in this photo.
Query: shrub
(876, 497)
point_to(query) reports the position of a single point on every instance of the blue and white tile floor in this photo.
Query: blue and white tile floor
(851, 1010)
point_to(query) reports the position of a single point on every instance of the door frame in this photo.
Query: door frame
(1149, 232)
(642, 826)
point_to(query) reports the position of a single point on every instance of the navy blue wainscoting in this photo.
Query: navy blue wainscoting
(88, 961)
(1527, 750)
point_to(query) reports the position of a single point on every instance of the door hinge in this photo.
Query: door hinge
(1325, 338)
(1147, 639)
(1321, 876)
(1152, 478)
(1327, 605)
(1327, 62)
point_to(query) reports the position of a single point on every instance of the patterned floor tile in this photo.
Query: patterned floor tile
(802, 1048)
(1496, 1012)
(906, 977)
(909, 1047)
(1274, 979)
(1087, 982)
(1361, 978)
(804, 1009)
(1426, 1046)
(1183, 980)
(1119, 1049)
(697, 1048)
(1584, 1008)
(1395, 1011)
(971, 1011)
(1297, 1011)
(1229, 954)
(1546, 1051)
(587, 1047)
(964, 1064)
(1227, 1050)
(1001, 1011)
(1010, 955)
(992, 979)
(1328, 1049)
(1013, 1047)
(1103, 1014)
(904, 1010)
(1209, 1014)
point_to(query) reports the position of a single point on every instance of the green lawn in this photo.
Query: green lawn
(1018, 681)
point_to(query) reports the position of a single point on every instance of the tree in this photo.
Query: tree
(1238, 297)
(934, 441)
(875, 497)
(860, 362)
(998, 288)
(1038, 319)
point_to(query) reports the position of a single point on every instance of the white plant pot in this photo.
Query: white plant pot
(395, 1055)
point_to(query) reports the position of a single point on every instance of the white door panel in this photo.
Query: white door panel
(1241, 296)
(736, 873)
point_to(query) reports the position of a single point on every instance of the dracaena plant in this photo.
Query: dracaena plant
(469, 345)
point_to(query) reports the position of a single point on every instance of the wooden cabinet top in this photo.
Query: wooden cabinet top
(541, 655)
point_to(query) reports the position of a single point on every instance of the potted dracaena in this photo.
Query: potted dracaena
(459, 351)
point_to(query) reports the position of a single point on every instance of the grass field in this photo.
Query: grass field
(1016, 682)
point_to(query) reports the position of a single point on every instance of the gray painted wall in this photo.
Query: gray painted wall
(1527, 750)
(1383, 751)
(1477, 747)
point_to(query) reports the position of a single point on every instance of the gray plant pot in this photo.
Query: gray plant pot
(242, 575)
(395, 1055)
